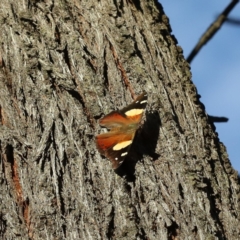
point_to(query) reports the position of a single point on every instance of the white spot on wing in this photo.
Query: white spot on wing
(116, 158)
(144, 101)
(124, 154)
(134, 112)
(122, 145)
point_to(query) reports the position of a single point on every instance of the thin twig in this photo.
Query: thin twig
(213, 28)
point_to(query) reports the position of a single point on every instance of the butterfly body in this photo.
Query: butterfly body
(123, 125)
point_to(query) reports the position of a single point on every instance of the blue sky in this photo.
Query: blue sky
(216, 68)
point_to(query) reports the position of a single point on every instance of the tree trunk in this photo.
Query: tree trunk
(64, 65)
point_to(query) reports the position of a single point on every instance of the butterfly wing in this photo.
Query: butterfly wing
(135, 109)
(113, 120)
(123, 125)
(115, 145)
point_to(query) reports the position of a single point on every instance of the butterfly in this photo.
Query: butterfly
(123, 125)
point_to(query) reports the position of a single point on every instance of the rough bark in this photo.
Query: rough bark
(63, 65)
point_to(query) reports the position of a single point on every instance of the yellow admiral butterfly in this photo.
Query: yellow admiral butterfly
(123, 125)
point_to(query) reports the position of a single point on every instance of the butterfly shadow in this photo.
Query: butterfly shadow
(144, 143)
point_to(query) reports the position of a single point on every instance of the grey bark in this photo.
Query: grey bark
(63, 65)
